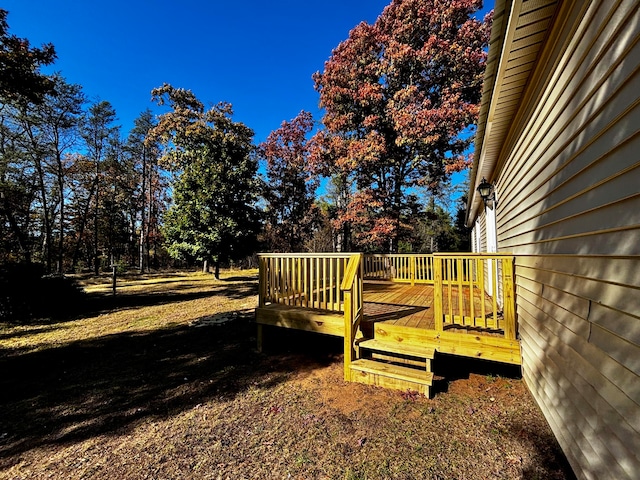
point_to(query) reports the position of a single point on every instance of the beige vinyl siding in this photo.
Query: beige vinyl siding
(580, 331)
(571, 181)
(569, 209)
(482, 231)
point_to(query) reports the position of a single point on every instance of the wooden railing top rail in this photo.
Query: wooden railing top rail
(349, 254)
(351, 272)
(440, 254)
(473, 255)
(397, 254)
(305, 255)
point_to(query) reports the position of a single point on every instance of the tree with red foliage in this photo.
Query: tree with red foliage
(398, 96)
(290, 196)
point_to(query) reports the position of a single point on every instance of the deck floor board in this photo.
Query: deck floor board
(407, 305)
(399, 304)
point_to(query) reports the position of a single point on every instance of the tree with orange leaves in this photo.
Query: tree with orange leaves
(400, 99)
(290, 210)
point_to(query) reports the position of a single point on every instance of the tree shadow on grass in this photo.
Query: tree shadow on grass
(241, 278)
(91, 304)
(26, 333)
(87, 388)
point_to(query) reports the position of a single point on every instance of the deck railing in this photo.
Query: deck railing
(303, 280)
(475, 290)
(407, 268)
(470, 290)
(353, 308)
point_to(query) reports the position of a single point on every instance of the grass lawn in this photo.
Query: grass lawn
(164, 382)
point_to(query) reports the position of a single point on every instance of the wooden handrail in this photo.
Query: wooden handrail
(306, 255)
(472, 255)
(353, 308)
(399, 267)
(304, 280)
(350, 274)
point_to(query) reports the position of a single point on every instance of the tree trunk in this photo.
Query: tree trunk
(46, 246)
(151, 213)
(42, 190)
(216, 272)
(143, 209)
(96, 213)
(60, 173)
(346, 238)
(83, 223)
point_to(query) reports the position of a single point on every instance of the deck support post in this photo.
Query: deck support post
(353, 299)
(437, 294)
(509, 299)
(262, 293)
(348, 340)
(262, 281)
(413, 270)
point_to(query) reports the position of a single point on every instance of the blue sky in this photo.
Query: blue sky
(257, 55)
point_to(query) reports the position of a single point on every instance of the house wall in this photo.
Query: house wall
(569, 209)
(481, 230)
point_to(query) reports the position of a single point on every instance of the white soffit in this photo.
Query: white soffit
(517, 35)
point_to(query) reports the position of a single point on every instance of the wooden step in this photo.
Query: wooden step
(412, 350)
(389, 350)
(392, 376)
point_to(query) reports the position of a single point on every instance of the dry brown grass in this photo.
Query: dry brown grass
(143, 304)
(163, 382)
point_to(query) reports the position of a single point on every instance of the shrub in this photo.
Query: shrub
(27, 294)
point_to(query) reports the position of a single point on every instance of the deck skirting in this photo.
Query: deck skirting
(493, 348)
(327, 323)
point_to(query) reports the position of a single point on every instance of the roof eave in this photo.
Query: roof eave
(501, 20)
(518, 34)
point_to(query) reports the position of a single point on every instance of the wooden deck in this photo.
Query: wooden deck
(396, 322)
(388, 305)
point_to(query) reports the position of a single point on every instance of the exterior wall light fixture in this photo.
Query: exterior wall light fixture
(487, 192)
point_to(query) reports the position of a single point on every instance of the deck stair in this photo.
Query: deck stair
(393, 365)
